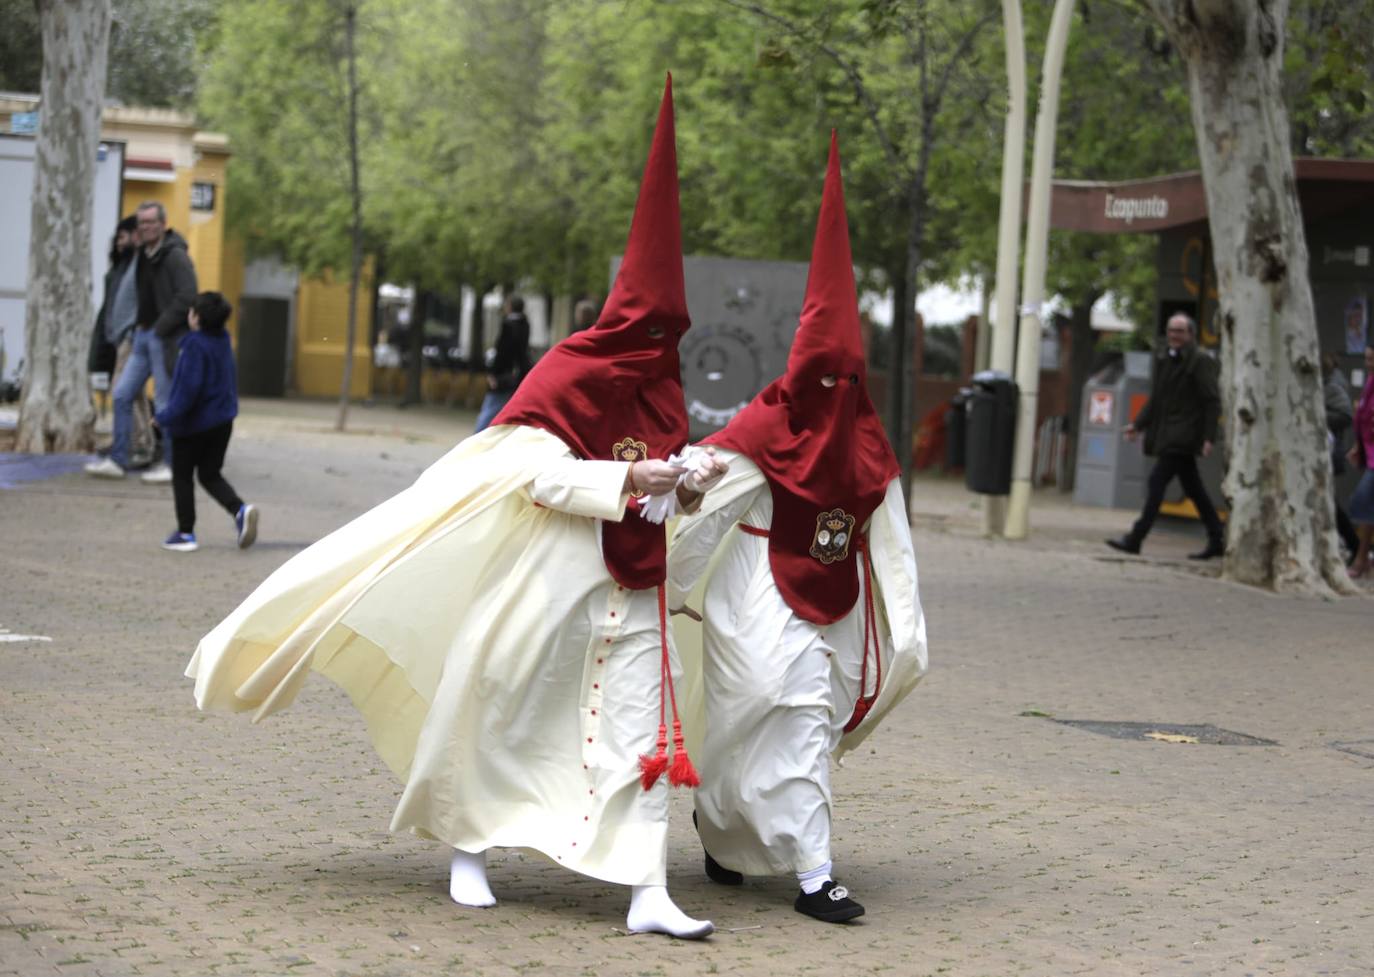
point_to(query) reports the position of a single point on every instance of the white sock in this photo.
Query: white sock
(652, 910)
(813, 880)
(467, 879)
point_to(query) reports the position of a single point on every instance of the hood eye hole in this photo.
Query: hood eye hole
(655, 332)
(829, 380)
(853, 379)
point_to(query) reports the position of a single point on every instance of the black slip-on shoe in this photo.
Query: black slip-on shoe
(1125, 545)
(715, 871)
(721, 875)
(830, 904)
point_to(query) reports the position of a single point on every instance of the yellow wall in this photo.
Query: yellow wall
(231, 277)
(204, 230)
(321, 328)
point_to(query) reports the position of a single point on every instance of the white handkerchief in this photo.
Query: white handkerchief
(662, 507)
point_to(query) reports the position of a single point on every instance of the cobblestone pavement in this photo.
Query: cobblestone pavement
(138, 836)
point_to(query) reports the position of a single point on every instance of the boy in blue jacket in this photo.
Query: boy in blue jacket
(199, 417)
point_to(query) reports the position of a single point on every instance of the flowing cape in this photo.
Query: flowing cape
(378, 605)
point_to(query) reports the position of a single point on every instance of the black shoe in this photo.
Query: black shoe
(830, 904)
(715, 871)
(721, 875)
(1214, 547)
(1125, 544)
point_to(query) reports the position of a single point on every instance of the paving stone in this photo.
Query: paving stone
(138, 836)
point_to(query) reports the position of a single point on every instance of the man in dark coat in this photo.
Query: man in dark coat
(166, 287)
(1179, 422)
(509, 361)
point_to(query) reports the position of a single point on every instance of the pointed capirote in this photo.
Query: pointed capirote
(830, 312)
(649, 284)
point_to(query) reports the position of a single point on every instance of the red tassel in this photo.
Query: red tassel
(652, 767)
(681, 773)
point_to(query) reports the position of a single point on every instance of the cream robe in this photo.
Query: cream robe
(778, 690)
(505, 678)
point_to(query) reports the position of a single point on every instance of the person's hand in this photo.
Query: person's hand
(1130, 432)
(1206, 448)
(708, 471)
(684, 609)
(491, 381)
(1353, 456)
(654, 477)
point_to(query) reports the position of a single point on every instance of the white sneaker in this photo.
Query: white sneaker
(104, 468)
(157, 475)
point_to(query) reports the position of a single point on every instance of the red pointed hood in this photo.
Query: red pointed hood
(822, 448)
(829, 340)
(614, 392)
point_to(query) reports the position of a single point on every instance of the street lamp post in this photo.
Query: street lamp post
(1033, 284)
(1008, 221)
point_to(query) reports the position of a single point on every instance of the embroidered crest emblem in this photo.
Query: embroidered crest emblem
(831, 542)
(628, 449)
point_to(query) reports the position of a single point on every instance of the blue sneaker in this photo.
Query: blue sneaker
(247, 523)
(181, 542)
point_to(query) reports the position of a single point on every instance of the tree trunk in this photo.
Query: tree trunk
(355, 274)
(55, 412)
(1281, 529)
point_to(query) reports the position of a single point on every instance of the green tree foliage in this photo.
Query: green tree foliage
(277, 85)
(1329, 77)
(505, 139)
(21, 46)
(155, 49)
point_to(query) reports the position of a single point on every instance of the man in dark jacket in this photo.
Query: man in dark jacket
(509, 361)
(166, 287)
(1180, 423)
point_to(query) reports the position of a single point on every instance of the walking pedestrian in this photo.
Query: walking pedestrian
(510, 361)
(1179, 422)
(198, 420)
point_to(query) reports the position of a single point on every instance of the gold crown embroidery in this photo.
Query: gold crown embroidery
(833, 530)
(628, 449)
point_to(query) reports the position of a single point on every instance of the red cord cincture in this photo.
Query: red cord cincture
(680, 771)
(872, 645)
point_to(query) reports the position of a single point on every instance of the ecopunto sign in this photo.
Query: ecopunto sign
(1133, 207)
(1129, 209)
